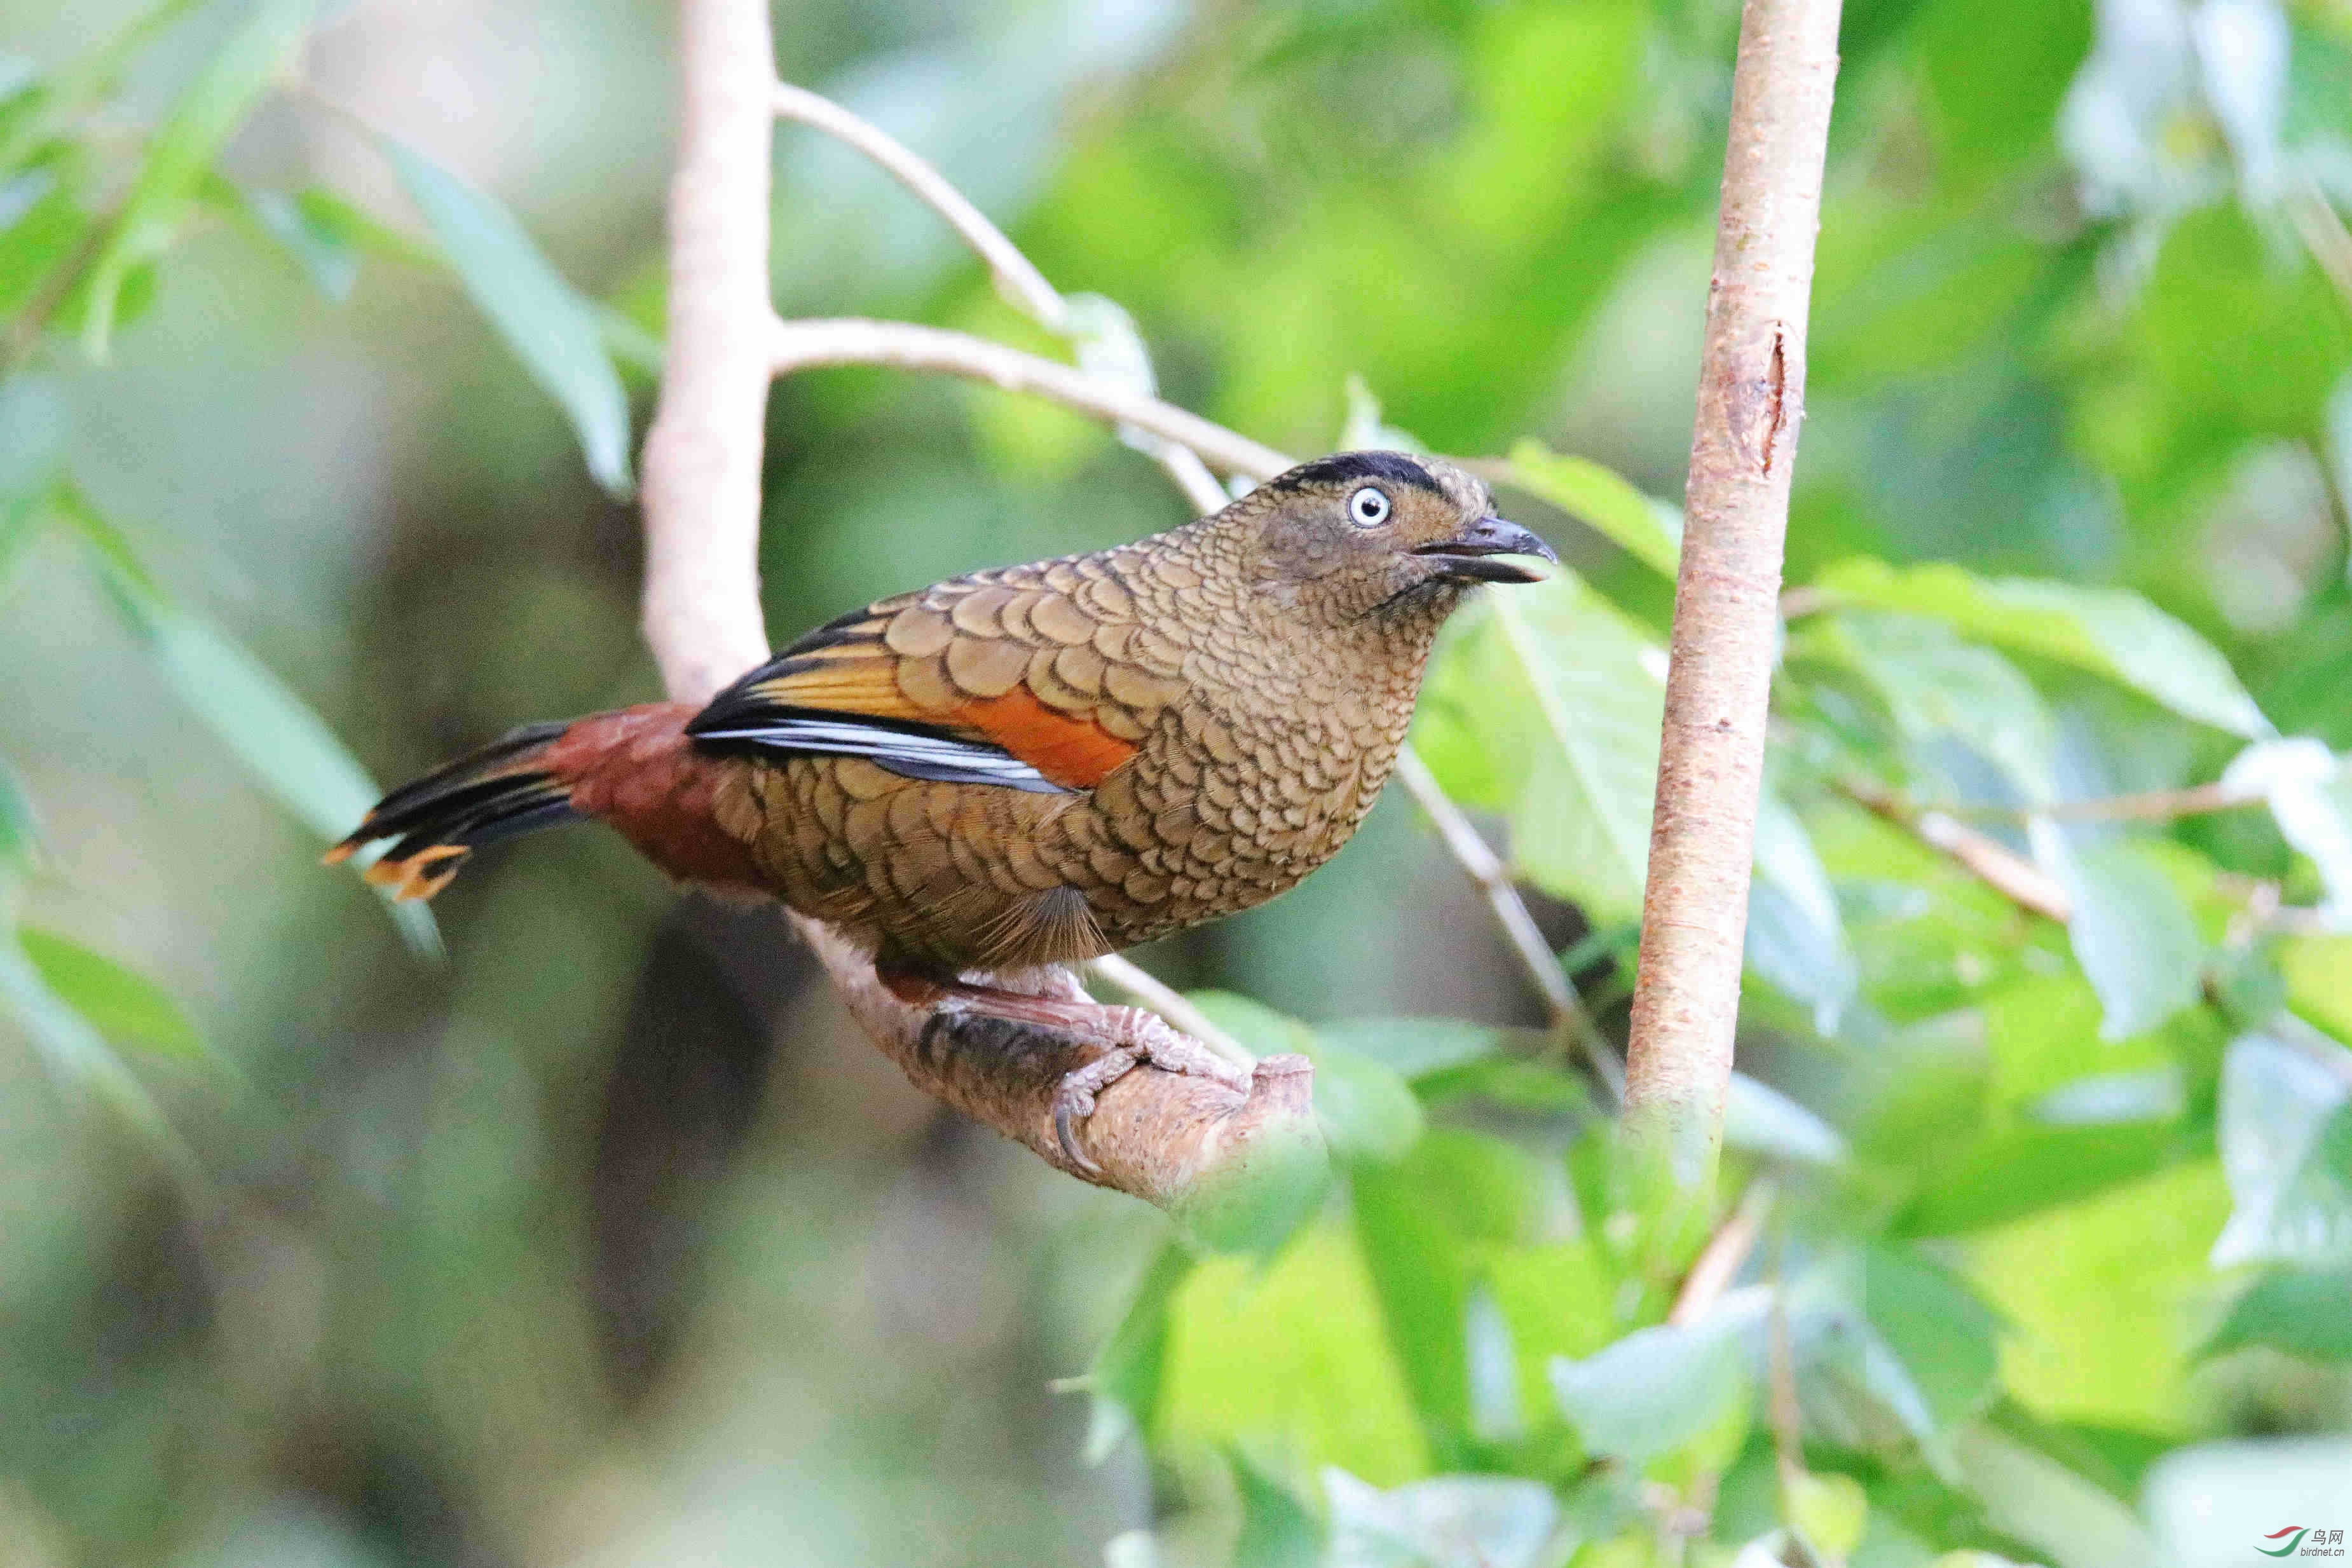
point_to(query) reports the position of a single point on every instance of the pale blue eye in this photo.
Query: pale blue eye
(1367, 507)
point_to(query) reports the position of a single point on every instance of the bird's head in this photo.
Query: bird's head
(1361, 532)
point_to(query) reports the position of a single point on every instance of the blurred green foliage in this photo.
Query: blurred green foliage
(609, 1241)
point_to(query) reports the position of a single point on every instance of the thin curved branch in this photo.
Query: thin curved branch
(1993, 863)
(802, 345)
(1017, 278)
(1485, 869)
(2142, 806)
(1169, 1003)
(1019, 282)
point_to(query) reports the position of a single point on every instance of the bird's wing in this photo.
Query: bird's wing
(1040, 677)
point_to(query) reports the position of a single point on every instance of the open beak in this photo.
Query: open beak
(1474, 554)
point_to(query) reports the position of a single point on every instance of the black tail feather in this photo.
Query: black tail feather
(437, 822)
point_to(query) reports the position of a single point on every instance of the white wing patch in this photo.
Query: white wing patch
(907, 751)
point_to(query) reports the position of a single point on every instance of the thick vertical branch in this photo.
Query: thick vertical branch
(1750, 401)
(702, 457)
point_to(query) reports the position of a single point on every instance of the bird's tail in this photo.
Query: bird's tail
(503, 790)
(634, 769)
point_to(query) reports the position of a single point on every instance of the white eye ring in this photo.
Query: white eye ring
(1367, 507)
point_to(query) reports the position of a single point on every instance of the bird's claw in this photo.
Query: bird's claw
(1074, 1101)
(1134, 1036)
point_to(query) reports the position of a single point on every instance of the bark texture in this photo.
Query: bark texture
(1752, 398)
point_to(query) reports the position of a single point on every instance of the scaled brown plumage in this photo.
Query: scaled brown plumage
(1038, 763)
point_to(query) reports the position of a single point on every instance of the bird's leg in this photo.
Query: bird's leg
(1127, 1036)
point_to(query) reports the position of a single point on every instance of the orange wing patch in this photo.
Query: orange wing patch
(1075, 753)
(922, 672)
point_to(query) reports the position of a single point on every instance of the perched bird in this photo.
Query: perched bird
(1033, 765)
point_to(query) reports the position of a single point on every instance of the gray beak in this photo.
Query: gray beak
(1473, 555)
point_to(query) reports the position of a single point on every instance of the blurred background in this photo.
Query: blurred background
(607, 1239)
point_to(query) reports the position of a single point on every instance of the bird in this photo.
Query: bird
(1031, 765)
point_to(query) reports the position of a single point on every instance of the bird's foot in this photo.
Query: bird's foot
(1131, 1036)
(1127, 1038)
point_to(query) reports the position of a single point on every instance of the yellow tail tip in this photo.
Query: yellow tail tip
(414, 877)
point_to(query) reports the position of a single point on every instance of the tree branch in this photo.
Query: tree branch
(2142, 806)
(1725, 1252)
(1485, 869)
(802, 345)
(1018, 279)
(1993, 863)
(701, 614)
(1752, 398)
(1021, 283)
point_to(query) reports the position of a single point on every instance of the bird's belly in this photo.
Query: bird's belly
(1179, 844)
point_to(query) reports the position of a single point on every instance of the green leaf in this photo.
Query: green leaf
(323, 250)
(2309, 791)
(1367, 1110)
(1649, 530)
(1659, 1389)
(2131, 931)
(1937, 685)
(1123, 1385)
(2112, 632)
(77, 1054)
(180, 152)
(1415, 1047)
(2014, 1174)
(33, 107)
(1448, 1522)
(20, 827)
(2113, 1459)
(123, 1004)
(1761, 1120)
(1365, 430)
(552, 328)
(1364, 1107)
(286, 747)
(2285, 1131)
(1546, 704)
(1277, 1531)
(1935, 1326)
(2303, 1312)
(1507, 1082)
(1829, 1510)
(1796, 938)
(46, 225)
(1418, 1271)
(348, 228)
